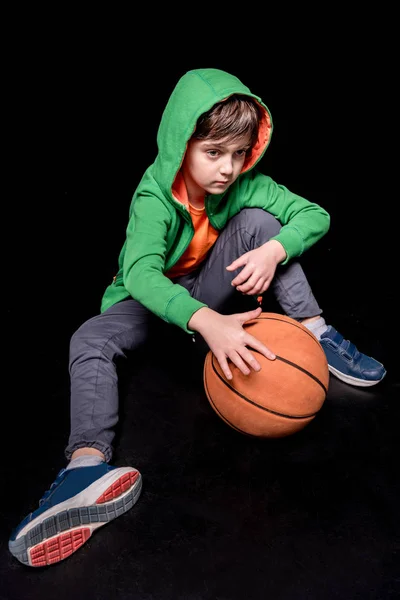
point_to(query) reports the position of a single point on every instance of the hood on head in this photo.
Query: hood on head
(195, 93)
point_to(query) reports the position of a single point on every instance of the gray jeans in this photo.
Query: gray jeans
(102, 340)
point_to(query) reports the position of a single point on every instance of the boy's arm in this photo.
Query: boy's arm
(143, 263)
(303, 222)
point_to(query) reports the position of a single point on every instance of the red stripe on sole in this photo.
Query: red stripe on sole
(59, 547)
(120, 486)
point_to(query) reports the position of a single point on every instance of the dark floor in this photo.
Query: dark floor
(222, 516)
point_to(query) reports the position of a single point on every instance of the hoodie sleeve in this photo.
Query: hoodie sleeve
(144, 262)
(303, 222)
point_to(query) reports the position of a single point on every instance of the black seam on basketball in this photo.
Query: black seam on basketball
(223, 416)
(297, 325)
(235, 427)
(289, 362)
(296, 366)
(269, 410)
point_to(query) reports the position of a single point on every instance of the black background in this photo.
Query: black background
(84, 95)
(85, 109)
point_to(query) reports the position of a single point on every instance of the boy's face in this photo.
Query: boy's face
(210, 167)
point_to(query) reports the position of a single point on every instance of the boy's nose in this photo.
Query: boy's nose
(227, 167)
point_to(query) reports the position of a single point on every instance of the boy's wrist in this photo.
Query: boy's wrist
(278, 250)
(197, 319)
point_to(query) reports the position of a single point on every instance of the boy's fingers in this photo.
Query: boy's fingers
(257, 345)
(239, 262)
(238, 361)
(232, 266)
(223, 363)
(250, 314)
(250, 360)
(242, 277)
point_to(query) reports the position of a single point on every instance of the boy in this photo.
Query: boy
(204, 225)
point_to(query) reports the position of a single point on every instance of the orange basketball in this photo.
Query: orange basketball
(285, 395)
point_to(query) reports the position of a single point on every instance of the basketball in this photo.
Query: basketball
(285, 395)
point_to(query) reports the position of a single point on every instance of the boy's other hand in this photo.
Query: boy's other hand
(259, 266)
(227, 339)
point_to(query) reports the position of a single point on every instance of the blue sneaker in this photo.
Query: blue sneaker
(78, 502)
(347, 363)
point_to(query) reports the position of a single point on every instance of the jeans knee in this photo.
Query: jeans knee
(81, 335)
(261, 221)
(75, 343)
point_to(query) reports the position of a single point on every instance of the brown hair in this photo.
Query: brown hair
(233, 118)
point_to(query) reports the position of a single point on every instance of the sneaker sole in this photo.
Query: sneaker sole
(353, 380)
(48, 541)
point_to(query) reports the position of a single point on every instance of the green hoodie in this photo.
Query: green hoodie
(160, 227)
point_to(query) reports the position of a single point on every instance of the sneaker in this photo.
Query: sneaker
(347, 363)
(78, 502)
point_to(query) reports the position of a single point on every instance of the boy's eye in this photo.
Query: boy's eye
(215, 153)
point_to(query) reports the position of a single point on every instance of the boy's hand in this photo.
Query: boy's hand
(259, 268)
(227, 339)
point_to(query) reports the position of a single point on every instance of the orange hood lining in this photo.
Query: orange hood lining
(264, 134)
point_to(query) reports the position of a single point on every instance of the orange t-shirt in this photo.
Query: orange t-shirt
(204, 238)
